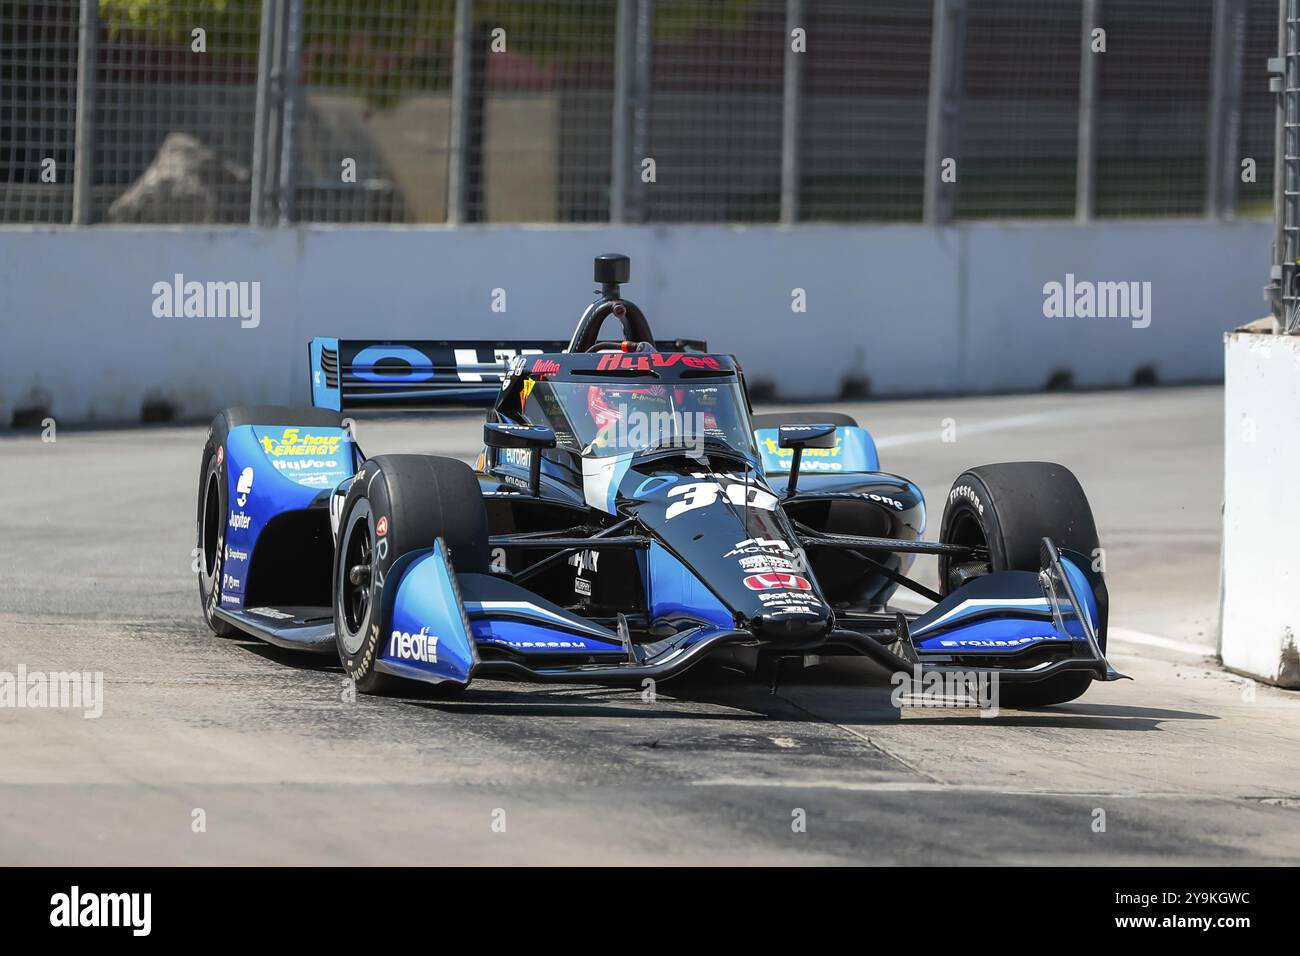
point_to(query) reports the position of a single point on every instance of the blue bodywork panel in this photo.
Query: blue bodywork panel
(854, 451)
(676, 595)
(428, 636)
(502, 614)
(538, 639)
(1004, 612)
(272, 469)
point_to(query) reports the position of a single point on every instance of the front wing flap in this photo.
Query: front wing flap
(1022, 627)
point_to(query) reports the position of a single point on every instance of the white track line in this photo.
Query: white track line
(977, 428)
(1123, 635)
(921, 786)
(1119, 635)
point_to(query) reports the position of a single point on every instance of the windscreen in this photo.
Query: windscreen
(618, 417)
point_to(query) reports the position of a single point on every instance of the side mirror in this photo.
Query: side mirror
(800, 437)
(531, 437)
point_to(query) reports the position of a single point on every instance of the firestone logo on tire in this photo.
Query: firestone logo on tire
(776, 581)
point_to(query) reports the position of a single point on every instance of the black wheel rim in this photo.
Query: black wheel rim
(964, 529)
(358, 550)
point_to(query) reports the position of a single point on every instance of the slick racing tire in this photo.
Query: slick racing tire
(214, 493)
(1009, 508)
(398, 504)
(777, 419)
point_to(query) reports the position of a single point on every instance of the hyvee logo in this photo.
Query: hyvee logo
(1100, 300)
(134, 910)
(179, 299)
(647, 361)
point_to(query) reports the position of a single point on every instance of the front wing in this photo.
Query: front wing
(1021, 626)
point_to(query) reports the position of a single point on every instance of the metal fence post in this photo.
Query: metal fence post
(643, 45)
(620, 154)
(274, 115)
(291, 87)
(1291, 170)
(83, 150)
(261, 111)
(1226, 64)
(458, 134)
(1085, 185)
(791, 102)
(947, 61)
(1276, 85)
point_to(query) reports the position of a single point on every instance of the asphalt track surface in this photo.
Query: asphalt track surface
(1185, 764)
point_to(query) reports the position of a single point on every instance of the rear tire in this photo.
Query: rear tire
(411, 499)
(1009, 508)
(213, 495)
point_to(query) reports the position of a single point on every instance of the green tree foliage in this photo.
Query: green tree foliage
(384, 48)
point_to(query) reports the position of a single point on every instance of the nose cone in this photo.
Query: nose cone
(755, 565)
(731, 534)
(783, 626)
(784, 606)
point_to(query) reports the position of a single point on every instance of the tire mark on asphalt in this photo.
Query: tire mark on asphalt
(865, 739)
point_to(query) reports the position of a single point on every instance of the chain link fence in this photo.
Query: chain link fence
(38, 101)
(372, 136)
(656, 111)
(1018, 139)
(862, 135)
(1155, 105)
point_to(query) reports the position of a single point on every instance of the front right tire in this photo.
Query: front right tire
(1008, 509)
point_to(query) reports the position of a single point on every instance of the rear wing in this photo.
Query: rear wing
(374, 373)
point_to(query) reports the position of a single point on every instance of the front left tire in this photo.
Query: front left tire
(398, 504)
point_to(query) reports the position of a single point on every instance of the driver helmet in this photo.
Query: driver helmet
(608, 404)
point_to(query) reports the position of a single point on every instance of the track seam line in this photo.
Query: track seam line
(865, 739)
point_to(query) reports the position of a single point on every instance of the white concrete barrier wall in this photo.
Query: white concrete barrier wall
(1261, 581)
(915, 310)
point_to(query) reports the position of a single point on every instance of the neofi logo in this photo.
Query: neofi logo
(103, 909)
(414, 647)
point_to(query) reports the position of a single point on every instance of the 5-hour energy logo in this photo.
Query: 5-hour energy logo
(294, 441)
(808, 453)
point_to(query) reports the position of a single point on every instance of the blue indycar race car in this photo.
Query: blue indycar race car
(628, 517)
